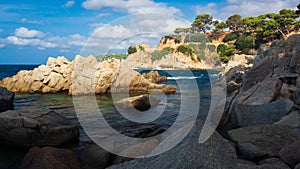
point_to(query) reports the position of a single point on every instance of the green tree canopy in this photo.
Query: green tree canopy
(234, 22)
(202, 23)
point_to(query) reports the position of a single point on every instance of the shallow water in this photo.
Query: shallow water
(63, 104)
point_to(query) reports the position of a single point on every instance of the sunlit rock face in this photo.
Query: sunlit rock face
(83, 75)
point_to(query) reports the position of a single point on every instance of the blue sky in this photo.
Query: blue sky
(33, 30)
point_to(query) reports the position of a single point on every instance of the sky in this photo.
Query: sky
(33, 30)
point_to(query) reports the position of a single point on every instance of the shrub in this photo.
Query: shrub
(225, 59)
(211, 48)
(117, 56)
(131, 50)
(221, 48)
(166, 38)
(246, 42)
(230, 50)
(141, 48)
(230, 37)
(198, 50)
(159, 54)
(170, 49)
(185, 49)
(198, 37)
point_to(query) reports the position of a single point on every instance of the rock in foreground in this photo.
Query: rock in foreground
(36, 127)
(215, 153)
(6, 99)
(50, 158)
(255, 142)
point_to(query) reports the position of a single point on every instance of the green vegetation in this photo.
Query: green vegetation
(231, 36)
(166, 38)
(159, 54)
(202, 23)
(141, 48)
(132, 49)
(198, 37)
(169, 49)
(244, 44)
(116, 56)
(225, 52)
(185, 49)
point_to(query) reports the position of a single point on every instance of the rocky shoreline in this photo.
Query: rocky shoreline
(260, 128)
(84, 75)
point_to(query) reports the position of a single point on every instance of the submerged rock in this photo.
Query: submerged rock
(6, 99)
(50, 158)
(36, 126)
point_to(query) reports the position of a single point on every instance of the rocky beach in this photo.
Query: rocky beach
(215, 95)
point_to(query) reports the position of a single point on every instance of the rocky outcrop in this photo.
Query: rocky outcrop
(255, 142)
(214, 153)
(272, 163)
(50, 158)
(83, 75)
(94, 157)
(291, 154)
(36, 126)
(6, 99)
(269, 113)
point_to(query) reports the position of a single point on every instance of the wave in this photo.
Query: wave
(183, 77)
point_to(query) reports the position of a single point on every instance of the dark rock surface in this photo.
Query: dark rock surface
(6, 99)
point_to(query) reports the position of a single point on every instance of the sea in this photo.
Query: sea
(188, 81)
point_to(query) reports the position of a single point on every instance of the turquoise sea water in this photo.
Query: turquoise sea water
(63, 103)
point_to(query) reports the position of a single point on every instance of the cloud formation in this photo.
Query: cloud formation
(26, 33)
(34, 38)
(69, 4)
(132, 6)
(25, 20)
(244, 7)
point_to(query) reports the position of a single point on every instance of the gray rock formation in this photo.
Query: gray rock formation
(255, 142)
(50, 158)
(36, 126)
(215, 153)
(291, 154)
(6, 99)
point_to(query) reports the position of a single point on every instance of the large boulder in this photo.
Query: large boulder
(36, 126)
(215, 153)
(261, 93)
(268, 113)
(255, 142)
(291, 154)
(6, 99)
(50, 158)
(94, 157)
(141, 103)
(291, 120)
(272, 163)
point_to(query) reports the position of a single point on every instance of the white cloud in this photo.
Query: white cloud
(25, 37)
(245, 7)
(2, 45)
(69, 4)
(30, 42)
(207, 9)
(132, 6)
(131, 30)
(25, 20)
(100, 15)
(26, 33)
